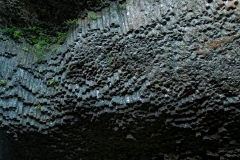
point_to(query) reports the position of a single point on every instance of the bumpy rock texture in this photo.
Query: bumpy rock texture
(154, 80)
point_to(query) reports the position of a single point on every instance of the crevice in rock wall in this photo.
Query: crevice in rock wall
(157, 80)
(45, 14)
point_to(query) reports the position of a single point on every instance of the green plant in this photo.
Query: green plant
(40, 41)
(17, 34)
(71, 22)
(37, 107)
(13, 32)
(40, 49)
(33, 29)
(25, 49)
(52, 81)
(2, 82)
(109, 59)
(121, 7)
(38, 55)
(36, 35)
(61, 36)
(56, 87)
(55, 48)
(39, 38)
(93, 16)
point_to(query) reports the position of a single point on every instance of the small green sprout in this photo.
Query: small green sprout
(55, 48)
(93, 16)
(25, 49)
(37, 107)
(121, 6)
(52, 81)
(71, 22)
(2, 82)
(109, 59)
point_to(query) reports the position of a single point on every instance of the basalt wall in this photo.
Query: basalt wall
(149, 80)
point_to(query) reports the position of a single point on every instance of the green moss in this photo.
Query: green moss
(61, 36)
(71, 22)
(121, 7)
(109, 60)
(55, 48)
(39, 40)
(37, 107)
(25, 49)
(93, 16)
(2, 82)
(52, 81)
(39, 50)
(13, 33)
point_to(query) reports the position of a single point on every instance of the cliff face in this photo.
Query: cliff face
(148, 80)
(46, 13)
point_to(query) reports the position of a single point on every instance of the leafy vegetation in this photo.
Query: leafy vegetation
(121, 7)
(55, 48)
(25, 49)
(40, 49)
(52, 81)
(108, 59)
(13, 33)
(41, 40)
(2, 82)
(37, 107)
(61, 36)
(71, 22)
(93, 16)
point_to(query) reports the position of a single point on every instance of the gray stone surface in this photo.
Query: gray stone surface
(159, 80)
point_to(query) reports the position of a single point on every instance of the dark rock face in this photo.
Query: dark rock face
(4, 154)
(46, 13)
(166, 90)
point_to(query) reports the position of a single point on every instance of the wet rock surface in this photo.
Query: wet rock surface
(155, 80)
